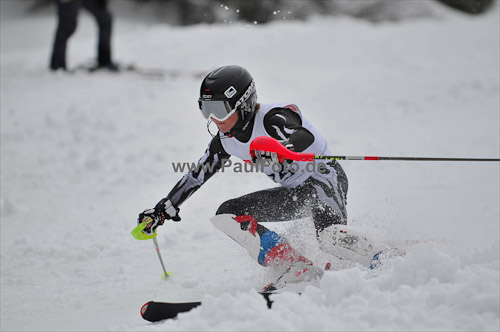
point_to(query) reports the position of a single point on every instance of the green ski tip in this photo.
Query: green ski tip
(164, 277)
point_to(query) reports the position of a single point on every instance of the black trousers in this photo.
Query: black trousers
(324, 200)
(67, 12)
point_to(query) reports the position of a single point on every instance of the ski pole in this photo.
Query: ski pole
(138, 234)
(399, 158)
(270, 144)
(165, 273)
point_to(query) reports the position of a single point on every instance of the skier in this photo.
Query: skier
(228, 98)
(67, 12)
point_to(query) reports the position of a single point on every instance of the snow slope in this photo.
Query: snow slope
(82, 155)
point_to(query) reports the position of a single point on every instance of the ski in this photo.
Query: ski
(159, 73)
(156, 311)
(146, 72)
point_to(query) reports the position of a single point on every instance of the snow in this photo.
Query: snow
(82, 155)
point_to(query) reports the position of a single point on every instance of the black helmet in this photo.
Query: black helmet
(226, 90)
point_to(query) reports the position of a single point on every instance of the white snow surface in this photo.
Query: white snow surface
(82, 155)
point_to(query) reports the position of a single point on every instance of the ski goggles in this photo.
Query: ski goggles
(220, 109)
(217, 109)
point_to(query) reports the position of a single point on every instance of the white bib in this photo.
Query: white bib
(301, 170)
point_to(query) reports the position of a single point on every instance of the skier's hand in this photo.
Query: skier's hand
(167, 210)
(267, 157)
(150, 219)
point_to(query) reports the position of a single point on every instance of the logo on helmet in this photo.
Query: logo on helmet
(230, 92)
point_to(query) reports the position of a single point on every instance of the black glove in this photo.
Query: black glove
(163, 210)
(265, 157)
(268, 157)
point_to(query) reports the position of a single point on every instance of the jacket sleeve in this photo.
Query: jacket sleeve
(211, 161)
(285, 125)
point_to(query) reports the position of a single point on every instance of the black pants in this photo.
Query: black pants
(68, 13)
(324, 200)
